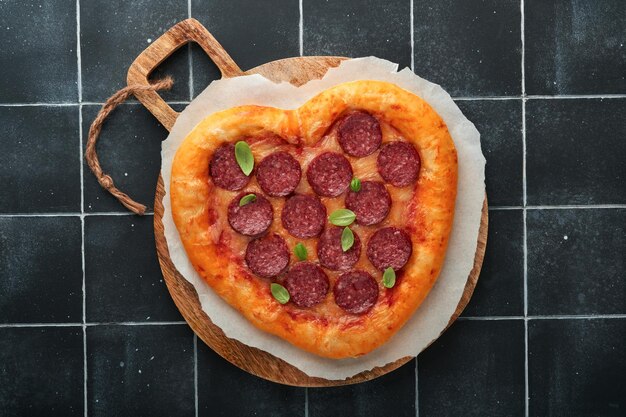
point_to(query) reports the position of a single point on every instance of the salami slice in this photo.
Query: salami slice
(307, 284)
(359, 134)
(356, 292)
(398, 163)
(278, 174)
(329, 174)
(225, 170)
(267, 256)
(251, 219)
(389, 247)
(371, 203)
(331, 254)
(303, 216)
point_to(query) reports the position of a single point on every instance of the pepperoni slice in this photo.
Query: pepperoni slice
(330, 253)
(307, 284)
(267, 256)
(371, 203)
(398, 163)
(225, 170)
(389, 247)
(356, 292)
(303, 216)
(251, 219)
(278, 174)
(329, 174)
(359, 134)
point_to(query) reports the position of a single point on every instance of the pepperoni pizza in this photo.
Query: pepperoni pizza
(326, 225)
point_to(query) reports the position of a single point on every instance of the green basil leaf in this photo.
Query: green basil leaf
(347, 239)
(300, 251)
(249, 198)
(355, 184)
(280, 293)
(244, 157)
(342, 217)
(389, 278)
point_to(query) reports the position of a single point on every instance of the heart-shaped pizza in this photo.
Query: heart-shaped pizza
(326, 225)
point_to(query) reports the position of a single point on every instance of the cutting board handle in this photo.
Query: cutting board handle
(189, 30)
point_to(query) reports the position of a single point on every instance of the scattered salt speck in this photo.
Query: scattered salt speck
(149, 40)
(139, 371)
(565, 237)
(126, 174)
(152, 358)
(148, 318)
(121, 364)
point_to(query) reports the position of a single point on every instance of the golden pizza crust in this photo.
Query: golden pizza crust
(426, 210)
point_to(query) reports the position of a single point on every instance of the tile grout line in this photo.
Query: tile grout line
(301, 27)
(190, 61)
(491, 208)
(417, 391)
(195, 372)
(525, 206)
(477, 98)
(412, 28)
(79, 85)
(301, 50)
(462, 318)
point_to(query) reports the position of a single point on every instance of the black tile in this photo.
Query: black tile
(41, 372)
(577, 367)
(225, 390)
(500, 125)
(500, 287)
(38, 67)
(268, 30)
(469, 47)
(115, 32)
(475, 369)
(122, 275)
(575, 151)
(575, 46)
(40, 161)
(394, 391)
(40, 267)
(356, 29)
(140, 371)
(576, 261)
(129, 149)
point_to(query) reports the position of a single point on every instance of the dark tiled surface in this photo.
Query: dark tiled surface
(40, 267)
(40, 151)
(577, 368)
(576, 261)
(115, 32)
(500, 287)
(391, 394)
(358, 29)
(41, 372)
(129, 150)
(475, 369)
(470, 47)
(122, 274)
(225, 390)
(500, 125)
(140, 371)
(37, 67)
(575, 47)
(575, 151)
(266, 31)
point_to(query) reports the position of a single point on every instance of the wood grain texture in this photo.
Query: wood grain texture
(296, 71)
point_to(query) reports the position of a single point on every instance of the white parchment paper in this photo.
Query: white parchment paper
(433, 315)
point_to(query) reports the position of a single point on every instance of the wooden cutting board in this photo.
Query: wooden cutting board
(297, 71)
